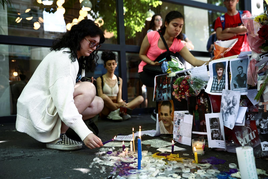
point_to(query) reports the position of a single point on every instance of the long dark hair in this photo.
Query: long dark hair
(169, 17)
(152, 24)
(72, 39)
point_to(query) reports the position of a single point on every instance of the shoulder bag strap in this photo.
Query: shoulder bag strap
(102, 81)
(165, 43)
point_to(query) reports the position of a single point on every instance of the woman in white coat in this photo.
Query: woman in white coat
(55, 99)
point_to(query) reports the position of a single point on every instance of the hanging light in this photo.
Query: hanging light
(86, 5)
(83, 13)
(47, 2)
(61, 10)
(99, 21)
(149, 15)
(69, 26)
(29, 18)
(36, 25)
(18, 19)
(15, 73)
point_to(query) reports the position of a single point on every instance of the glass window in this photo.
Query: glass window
(49, 21)
(134, 84)
(17, 64)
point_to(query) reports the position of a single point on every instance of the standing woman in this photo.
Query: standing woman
(155, 23)
(110, 90)
(52, 101)
(152, 46)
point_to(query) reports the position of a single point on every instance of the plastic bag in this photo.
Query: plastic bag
(174, 65)
(222, 47)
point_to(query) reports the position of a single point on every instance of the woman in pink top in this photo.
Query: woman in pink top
(152, 46)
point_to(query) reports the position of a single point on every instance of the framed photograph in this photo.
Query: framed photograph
(215, 131)
(166, 117)
(162, 90)
(218, 77)
(238, 69)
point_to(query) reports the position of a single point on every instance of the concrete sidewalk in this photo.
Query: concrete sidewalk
(22, 157)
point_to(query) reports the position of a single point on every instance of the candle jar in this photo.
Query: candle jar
(198, 146)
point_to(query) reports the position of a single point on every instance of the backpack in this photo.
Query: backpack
(222, 18)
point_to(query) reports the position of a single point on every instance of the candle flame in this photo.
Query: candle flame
(132, 129)
(172, 142)
(194, 149)
(114, 137)
(123, 142)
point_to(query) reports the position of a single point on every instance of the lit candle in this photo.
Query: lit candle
(195, 156)
(133, 139)
(139, 151)
(109, 140)
(172, 147)
(123, 146)
(246, 162)
(130, 146)
(140, 131)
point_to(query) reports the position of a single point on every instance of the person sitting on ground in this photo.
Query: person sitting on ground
(54, 100)
(155, 23)
(109, 88)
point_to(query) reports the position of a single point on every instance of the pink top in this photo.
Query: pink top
(154, 51)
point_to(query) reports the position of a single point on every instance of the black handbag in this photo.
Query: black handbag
(156, 70)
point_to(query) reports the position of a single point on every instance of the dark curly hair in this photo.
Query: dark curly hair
(72, 39)
(152, 24)
(107, 55)
(169, 17)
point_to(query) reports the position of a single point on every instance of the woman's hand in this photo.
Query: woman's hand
(92, 141)
(154, 63)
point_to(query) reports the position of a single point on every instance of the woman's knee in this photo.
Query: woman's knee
(140, 99)
(85, 88)
(99, 103)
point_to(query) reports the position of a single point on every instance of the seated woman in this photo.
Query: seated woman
(109, 88)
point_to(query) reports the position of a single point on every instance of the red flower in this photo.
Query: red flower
(263, 32)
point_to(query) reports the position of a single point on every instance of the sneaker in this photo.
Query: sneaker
(64, 143)
(154, 115)
(126, 116)
(125, 110)
(114, 115)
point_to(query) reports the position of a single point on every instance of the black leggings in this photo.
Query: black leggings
(147, 79)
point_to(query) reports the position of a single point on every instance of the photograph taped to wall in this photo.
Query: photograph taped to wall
(198, 107)
(215, 131)
(166, 116)
(162, 88)
(229, 107)
(182, 132)
(218, 77)
(238, 69)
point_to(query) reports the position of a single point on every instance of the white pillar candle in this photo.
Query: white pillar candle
(246, 162)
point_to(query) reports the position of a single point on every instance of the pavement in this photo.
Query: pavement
(22, 157)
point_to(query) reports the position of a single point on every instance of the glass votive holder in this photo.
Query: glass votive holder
(198, 146)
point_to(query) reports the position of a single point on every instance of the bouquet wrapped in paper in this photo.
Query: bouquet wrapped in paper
(257, 32)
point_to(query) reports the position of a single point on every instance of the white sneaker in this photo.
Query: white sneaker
(126, 116)
(64, 143)
(114, 115)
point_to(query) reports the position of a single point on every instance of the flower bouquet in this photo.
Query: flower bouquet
(257, 32)
(185, 86)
